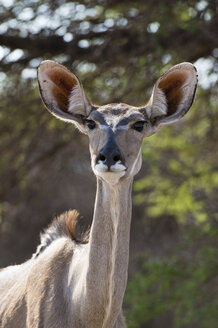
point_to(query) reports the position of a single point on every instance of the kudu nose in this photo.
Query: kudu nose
(109, 157)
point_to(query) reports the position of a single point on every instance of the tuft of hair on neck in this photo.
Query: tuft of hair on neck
(65, 225)
(71, 219)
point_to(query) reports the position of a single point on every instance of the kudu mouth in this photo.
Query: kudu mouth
(110, 174)
(110, 162)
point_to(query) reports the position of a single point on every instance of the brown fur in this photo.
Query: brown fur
(65, 225)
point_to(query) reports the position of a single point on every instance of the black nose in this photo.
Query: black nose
(109, 157)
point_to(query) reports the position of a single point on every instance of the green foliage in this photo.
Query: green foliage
(182, 169)
(185, 286)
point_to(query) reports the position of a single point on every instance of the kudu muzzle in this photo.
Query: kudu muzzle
(110, 153)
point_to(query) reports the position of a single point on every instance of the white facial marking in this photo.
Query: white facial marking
(113, 176)
(135, 162)
(118, 167)
(118, 127)
(122, 127)
(100, 167)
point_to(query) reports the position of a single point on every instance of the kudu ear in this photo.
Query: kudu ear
(62, 93)
(173, 95)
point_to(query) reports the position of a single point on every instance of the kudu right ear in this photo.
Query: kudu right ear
(62, 93)
(172, 95)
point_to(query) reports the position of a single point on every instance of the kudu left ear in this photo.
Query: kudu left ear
(62, 93)
(173, 95)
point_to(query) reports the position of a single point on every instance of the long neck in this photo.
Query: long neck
(109, 249)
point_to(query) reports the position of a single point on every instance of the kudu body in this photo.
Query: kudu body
(68, 283)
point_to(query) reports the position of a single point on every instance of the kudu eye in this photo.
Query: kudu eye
(138, 126)
(91, 124)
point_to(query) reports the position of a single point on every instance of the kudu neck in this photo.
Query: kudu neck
(109, 249)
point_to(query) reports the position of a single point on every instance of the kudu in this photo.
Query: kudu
(81, 284)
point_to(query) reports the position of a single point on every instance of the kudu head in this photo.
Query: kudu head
(116, 131)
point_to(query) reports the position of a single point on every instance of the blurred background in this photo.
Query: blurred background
(118, 49)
